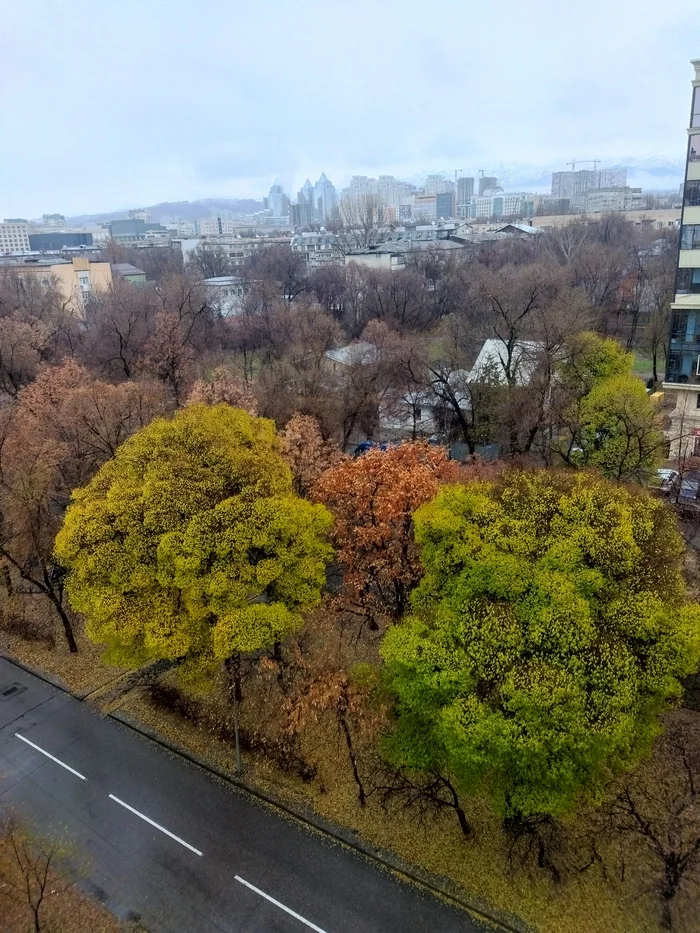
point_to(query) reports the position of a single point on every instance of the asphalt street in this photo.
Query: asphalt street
(164, 841)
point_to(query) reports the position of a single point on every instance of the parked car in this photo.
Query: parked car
(665, 480)
(364, 446)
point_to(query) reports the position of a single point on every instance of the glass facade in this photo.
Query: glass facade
(695, 115)
(690, 236)
(683, 362)
(691, 194)
(694, 148)
(684, 348)
(688, 282)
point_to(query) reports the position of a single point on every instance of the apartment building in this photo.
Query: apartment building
(236, 249)
(503, 204)
(317, 249)
(216, 226)
(14, 236)
(618, 198)
(75, 279)
(682, 383)
(579, 186)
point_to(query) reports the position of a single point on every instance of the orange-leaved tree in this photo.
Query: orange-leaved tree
(372, 499)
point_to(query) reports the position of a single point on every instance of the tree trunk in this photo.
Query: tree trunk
(461, 815)
(671, 883)
(233, 672)
(361, 796)
(7, 580)
(66, 622)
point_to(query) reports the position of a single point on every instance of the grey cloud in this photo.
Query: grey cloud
(177, 99)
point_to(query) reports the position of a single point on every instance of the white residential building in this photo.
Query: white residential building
(613, 199)
(14, 236)
(225, 293)
(216, 226)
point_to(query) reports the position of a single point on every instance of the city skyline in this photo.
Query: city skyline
(198, 104)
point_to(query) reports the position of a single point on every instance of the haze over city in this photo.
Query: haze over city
(140, 103)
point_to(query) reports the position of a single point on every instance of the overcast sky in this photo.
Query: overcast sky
(114, 103)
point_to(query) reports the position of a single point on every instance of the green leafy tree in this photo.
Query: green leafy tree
(608, 421)
(551, 629)
(189, 543)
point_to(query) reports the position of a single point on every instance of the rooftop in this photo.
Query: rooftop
(126, 268)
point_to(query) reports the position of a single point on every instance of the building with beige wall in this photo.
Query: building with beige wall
(658, 219)
(76, 279)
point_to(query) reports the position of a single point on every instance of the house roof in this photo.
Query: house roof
(219, 280)
(493, 356)
(522, 228)
(358, 352)
(125, 268)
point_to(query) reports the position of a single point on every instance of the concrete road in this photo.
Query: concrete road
(166, 842)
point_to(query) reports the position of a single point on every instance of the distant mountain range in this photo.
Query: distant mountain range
(185, 210)
(650, 173)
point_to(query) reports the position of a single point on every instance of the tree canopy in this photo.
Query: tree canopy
(373, 498)
(189, 543)
(609, 421)
(551, 628)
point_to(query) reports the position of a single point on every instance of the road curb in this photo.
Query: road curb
(35, 672)
(443, 888)
(436, 885)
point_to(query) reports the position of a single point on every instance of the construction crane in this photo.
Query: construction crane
(584, 162)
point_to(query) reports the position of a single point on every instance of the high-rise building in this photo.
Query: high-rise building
(444, 205)
(303, 213)
(576, 185)
(325, 199)
(437, 184)
(487, 183)
(465, 190)
(278, 201)
(683, 362)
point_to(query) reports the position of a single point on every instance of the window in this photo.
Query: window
(84, 281)
(692, 194)
(679, 325)
(688, 282)
(697, 400)
(695, 115)
(690, 236)
(694, 149)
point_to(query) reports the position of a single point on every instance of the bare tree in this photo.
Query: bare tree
(209, 260)
(33, 878)
(659, 808)
(363, 221)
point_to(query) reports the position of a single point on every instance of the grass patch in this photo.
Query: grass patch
(642, 365)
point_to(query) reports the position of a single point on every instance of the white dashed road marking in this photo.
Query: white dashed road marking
(61, 763)
(311, 926)
(157, 825)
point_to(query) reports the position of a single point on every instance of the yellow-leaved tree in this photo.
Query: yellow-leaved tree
(190, 544)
